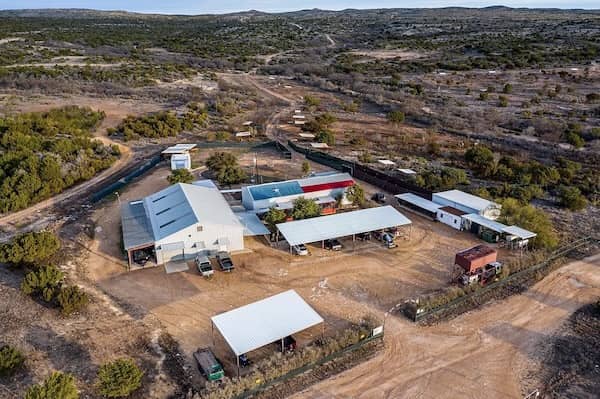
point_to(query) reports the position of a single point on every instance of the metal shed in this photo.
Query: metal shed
(341, 225)
(266, 321)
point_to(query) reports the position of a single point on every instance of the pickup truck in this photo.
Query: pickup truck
(225, 261)
(209, 365)
(204, 266)
(333, 245)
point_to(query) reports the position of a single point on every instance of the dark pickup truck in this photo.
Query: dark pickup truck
(225, 261)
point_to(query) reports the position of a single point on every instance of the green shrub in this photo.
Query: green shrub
(325, 136)
(180, 176)
(72, 299)
(395, 117)
(224, 166)
(312, 101)
(57, 386)
(530, 218)
(119, 378)
(11, 359)
(571, 198)
(356, 194)
(305, 208)
(30, 248)
(45, 282)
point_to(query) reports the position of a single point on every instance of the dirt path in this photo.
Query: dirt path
(482, 354)
(332, 42)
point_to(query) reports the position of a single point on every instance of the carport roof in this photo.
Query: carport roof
(420, 202)
(485, 222)
(260, 323)
(137, 230)
(252, 224)
(341, 225)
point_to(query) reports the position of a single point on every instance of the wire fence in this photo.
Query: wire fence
(370, 175)
(416, 314)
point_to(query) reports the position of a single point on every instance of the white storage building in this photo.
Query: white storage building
(179, 222)
(324, 188)
(468, 203)
(181, 161)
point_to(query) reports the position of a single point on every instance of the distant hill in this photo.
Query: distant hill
(315, 12)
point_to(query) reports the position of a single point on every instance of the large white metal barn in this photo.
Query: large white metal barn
(180, 222)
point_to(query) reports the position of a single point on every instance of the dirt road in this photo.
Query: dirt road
(483, 354)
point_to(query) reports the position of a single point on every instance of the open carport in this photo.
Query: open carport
(263, 322)
(341, 225)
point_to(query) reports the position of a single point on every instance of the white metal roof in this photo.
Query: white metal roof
(341, 225)
(307, 135)
(252, 224)
(205, 183)
(485, 222)
(181, 157)
(183, 205)
(466, 199)
(319, 145)
(386, 162)
(260, 323)
(519, 232)
(419, 201)
(179, 149)
(407, 171)
(243, 134)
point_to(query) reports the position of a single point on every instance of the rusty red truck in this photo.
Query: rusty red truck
(477, 264)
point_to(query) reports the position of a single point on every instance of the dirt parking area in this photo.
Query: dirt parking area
(364, 278)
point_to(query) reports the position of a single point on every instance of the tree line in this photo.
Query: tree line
(43, 153)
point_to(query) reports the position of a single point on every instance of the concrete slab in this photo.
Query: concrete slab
(176, 267)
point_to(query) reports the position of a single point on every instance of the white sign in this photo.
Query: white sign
(377, 331)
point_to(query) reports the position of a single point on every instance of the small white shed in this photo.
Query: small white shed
(181, 161)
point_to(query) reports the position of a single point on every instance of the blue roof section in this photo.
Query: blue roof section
(273, 190)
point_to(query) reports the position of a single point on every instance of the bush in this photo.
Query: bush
(305, 167)
(356, 194)
(502, 101)
(530, 218)
(57, 386)
(119, 378)
(30, 248)
(72, 299)
(312, 101)
(273, 217)
(44, 282)
(395, 117)
(481, 159)
(180, 176)
(224, 166)
(507, 88)
(11, 359)
(325, 136)
(571, 198)
(305, 208)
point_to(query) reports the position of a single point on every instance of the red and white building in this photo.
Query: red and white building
(323, 188)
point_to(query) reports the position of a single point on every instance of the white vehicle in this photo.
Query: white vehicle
(204, 266)
(300, 249)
